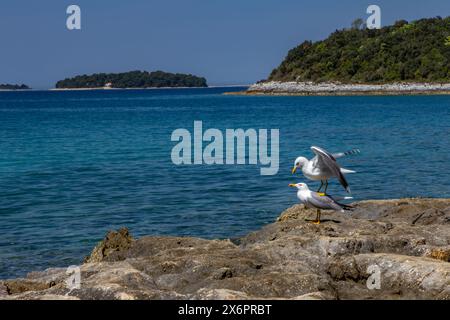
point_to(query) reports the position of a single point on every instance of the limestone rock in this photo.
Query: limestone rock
(406, 240)
(114, 244)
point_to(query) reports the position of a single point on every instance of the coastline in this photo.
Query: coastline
(276, 88)
(291, 258)
(118, 89)
(108, 88)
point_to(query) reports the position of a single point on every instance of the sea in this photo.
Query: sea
(75, 164)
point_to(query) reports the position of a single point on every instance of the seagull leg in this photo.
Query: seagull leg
(321, 185)
(326, 186)
(317, 217)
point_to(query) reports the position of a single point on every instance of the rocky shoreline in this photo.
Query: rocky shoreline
(342, 89)
(406, 240)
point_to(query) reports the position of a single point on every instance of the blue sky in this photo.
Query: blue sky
(227, 41)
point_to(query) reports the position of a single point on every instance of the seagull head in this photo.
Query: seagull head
(299, 163)
(300, 186)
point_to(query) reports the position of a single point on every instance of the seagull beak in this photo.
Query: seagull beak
(294, 169)
(292, 185)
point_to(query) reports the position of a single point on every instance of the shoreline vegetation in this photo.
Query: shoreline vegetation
(13, 87)
(406, 58)
(290, 258)
(416, 51)
(132, 79)
(118, 89)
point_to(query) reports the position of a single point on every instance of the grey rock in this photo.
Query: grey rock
(407, 240)
(338, 88)
(114, 244)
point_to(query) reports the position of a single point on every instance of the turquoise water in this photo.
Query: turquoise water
(74, 165)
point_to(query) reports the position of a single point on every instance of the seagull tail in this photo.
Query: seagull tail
(351, 152)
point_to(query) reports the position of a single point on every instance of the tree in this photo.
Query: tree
(133, 79)
(357, 24)
(447, 41)
(415, 51)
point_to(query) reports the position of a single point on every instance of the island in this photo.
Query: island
(14, 87)
(132, 79)
(404, 58)
(405, 240)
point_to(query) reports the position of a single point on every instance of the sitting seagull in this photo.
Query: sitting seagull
(317, 200)
(324, 166)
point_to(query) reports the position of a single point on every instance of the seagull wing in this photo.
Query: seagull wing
(323, 156)
(324, 202)
(326, 161)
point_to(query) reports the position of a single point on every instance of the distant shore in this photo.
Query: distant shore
(15, 90)
(276, 88)
(108, 88)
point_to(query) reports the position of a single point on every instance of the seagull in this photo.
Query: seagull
(317, 200)
(324, 166)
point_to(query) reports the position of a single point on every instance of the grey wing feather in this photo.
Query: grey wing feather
(321, 155)
(326, 160)
(323, 202)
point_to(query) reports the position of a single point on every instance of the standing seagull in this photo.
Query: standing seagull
(317, 200)
(324, 166)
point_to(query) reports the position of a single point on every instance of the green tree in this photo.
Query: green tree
(406, 51)
(357, 24)
(133, 79)
(447, 41)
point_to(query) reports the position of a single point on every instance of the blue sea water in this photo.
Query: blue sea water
(74, 165)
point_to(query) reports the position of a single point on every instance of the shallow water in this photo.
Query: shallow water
(76, 164)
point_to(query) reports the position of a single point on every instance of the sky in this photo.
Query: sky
(227, 41)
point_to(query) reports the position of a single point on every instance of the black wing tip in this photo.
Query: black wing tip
(352, 152)
(345, 206)
(344, 182)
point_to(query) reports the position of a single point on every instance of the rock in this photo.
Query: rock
(406, 240)
(337, 88)
(401, 276)
(223, 273)
(22, 285)
(314, 296)
(220, 294)
(112, 247)
(439, 253)
(3, 290)
(296, 212)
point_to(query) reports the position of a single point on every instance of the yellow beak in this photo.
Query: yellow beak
(292, 185)
(294, 169)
